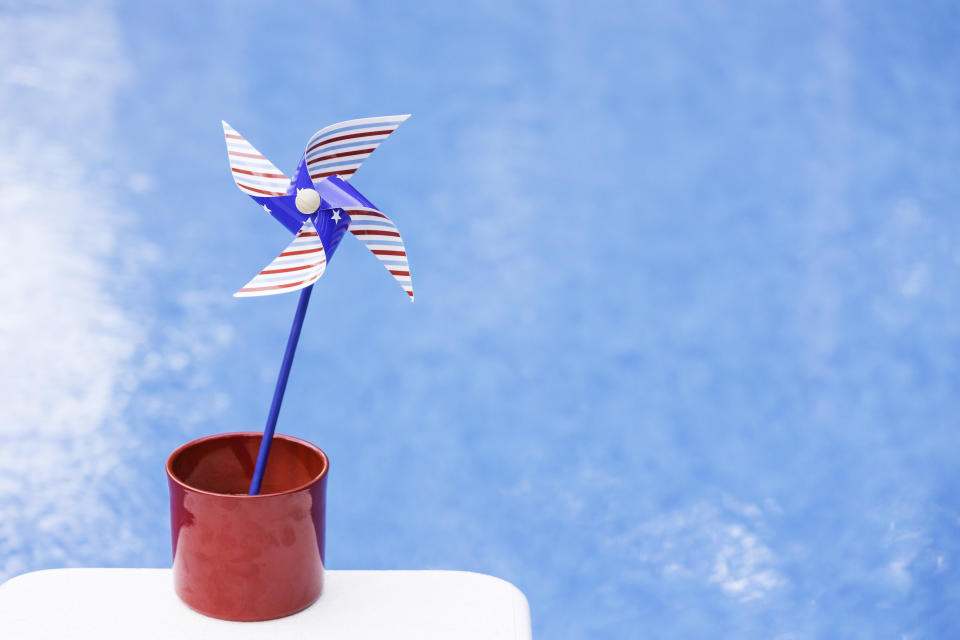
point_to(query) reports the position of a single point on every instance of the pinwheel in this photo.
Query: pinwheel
(318, 205)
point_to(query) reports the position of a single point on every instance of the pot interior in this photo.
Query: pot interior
(224, 464)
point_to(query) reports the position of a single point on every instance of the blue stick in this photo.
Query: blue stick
(278, 392)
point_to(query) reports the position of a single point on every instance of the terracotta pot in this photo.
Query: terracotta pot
(242, 557)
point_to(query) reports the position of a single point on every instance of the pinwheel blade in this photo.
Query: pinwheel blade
(298, 266)
(341, 148)
(381, 236)
(253, 173)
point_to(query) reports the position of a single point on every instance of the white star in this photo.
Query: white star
(336, 215)
(266, 208)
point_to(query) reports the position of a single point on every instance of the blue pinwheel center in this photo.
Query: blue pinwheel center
(331, 222)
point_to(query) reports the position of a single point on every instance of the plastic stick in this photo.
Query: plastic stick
(280, 388)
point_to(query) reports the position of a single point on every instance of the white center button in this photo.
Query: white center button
(308, 201)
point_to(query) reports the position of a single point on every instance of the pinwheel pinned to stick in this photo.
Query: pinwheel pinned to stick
(318, 205)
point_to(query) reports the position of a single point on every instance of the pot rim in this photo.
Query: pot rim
(243, 496)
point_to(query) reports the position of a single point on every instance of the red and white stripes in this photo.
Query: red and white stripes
(300, 265)
(378, 233)
(341, 148)
(253, 173)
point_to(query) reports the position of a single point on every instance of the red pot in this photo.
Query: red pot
(242, 557)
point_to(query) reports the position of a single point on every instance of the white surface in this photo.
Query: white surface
(73, 604)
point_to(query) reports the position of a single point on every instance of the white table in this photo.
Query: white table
(72, 604)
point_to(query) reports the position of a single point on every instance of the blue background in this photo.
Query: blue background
(683, 360)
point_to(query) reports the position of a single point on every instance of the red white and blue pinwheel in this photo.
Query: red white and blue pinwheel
(318, 205)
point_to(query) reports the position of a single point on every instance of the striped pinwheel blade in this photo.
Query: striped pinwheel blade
(341, 148)
(253, 173)
(375, 230)
(300, 265)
